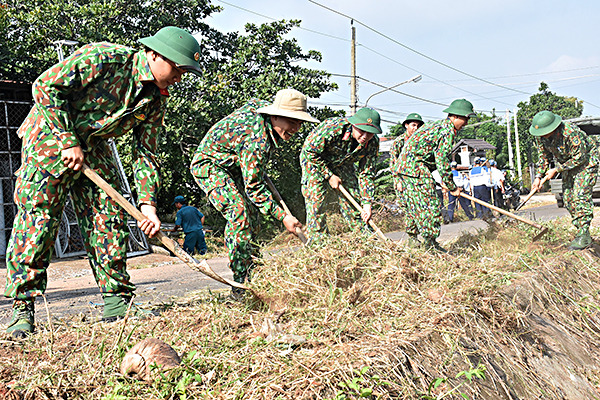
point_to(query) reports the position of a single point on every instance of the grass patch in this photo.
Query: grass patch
(355, 317)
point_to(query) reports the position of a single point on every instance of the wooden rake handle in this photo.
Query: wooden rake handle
(196, 265)
(530, 195)
(278, 197)
(359, 208)
(508, 214)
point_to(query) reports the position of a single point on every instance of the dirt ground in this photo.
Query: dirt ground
(72, 289)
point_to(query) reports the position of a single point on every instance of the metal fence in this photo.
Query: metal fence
(69, 241)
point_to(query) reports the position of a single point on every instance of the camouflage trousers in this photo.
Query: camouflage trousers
(40, 199)
(422, 207)
(577, 188)
(225, 191)
(315, 190)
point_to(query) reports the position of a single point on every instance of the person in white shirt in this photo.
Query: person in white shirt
(497, 184)
(463, 182)
(481, 183)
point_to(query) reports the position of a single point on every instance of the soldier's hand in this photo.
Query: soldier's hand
(365, 214)
(291, 223)
(456, 192)
(151, 225)
(335, 182)
(551, 174)
(72, 157)
(535, 186)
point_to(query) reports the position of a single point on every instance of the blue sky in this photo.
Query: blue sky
(514, 44)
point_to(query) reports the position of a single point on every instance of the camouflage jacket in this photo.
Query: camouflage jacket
(102, 90)
(572, 148)
(331, 146)
(429, 149)
(240, 144)
(395, 151)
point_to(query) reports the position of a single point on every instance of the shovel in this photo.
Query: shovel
(531, 194)
(196, 265)
(543, 229)
(359, 208)
(278, 197)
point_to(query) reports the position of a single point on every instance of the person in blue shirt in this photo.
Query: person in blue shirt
(461, 182)
(191, 221)
(481, 184)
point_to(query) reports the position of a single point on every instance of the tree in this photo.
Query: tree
(396, 130)
(566, 107)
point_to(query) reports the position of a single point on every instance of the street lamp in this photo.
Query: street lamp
(414, 79)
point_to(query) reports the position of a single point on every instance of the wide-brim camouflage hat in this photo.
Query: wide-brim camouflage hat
(366, 119)
(289, 103)
(544, 123)
(178, 45)
(413, 117)
(461, 107)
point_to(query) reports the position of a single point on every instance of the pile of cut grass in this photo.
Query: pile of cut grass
(354, 317)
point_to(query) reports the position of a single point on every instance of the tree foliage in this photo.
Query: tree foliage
(566, 107)
(236, 67)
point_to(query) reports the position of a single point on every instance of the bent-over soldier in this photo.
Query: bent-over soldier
(425, 151)
(101, 91)
(229, 165)
(340, 151)
(576, 157)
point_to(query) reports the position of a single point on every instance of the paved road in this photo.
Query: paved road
(160, 278)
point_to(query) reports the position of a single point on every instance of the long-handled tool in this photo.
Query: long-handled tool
(359, 208)
(531, 194)
(196, 265)
(278, 197)
(543, 229)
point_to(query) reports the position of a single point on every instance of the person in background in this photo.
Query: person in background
(497, 184)
(411, 124)
(481, 184)
(102, 90)
(576, 157)
(191, 220)
(462, 182)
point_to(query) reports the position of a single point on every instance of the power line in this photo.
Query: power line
(415, 51)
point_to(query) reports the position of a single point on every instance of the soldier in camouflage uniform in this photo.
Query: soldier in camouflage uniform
(229, 165)
(102, 90)
(576, 157)
(412, 123)
(340, 150)
(429, 149)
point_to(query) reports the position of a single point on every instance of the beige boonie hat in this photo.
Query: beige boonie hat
(288, 103)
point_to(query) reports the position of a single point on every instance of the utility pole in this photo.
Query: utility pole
(517, 147)
(510, 152)
(353, 100)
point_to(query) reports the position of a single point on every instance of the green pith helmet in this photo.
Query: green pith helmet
(413, 117)
(366, 119)
(461, 107)
(176, 44)
(544, 123)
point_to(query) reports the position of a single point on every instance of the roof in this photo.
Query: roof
(475, 144)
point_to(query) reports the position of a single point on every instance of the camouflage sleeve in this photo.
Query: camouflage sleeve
(395, 154)
(315, 145)
(52, 89)
(579, 149)
(252, 163)
(543, 163)
(442, 158)
(366, 172)
(145, 163)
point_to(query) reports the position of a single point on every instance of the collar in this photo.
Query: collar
(348, 133)
(269, 128)
(142, 72)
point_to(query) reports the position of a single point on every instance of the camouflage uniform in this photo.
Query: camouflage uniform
(96, 93)
(330, 150)
(425, 151)
(229, 165)
(577, 157)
